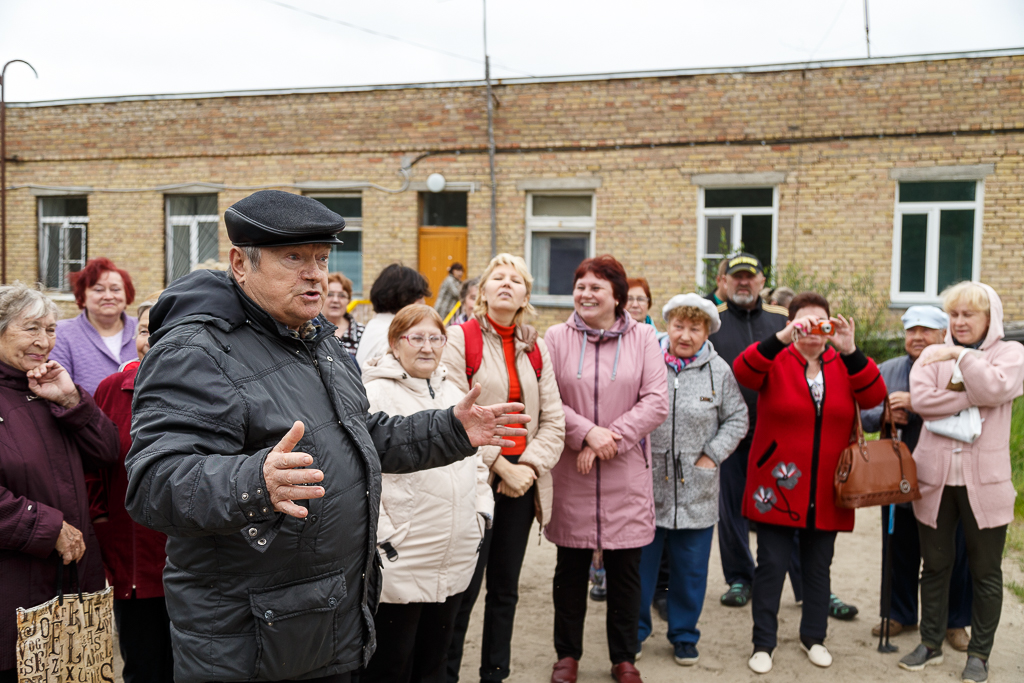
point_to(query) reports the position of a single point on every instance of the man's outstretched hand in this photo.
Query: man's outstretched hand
(284, 481)
(484, 425)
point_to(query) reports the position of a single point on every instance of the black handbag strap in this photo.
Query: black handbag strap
(73, 578)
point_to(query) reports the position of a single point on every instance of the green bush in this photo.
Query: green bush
(1017, 454)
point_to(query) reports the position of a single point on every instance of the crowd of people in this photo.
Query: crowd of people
(253, 468)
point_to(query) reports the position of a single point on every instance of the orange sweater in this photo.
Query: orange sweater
(508, 345)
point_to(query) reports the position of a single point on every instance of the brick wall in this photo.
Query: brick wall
(835, 206)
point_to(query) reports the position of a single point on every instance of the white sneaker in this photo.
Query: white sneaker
(818, 654)
(760, 662)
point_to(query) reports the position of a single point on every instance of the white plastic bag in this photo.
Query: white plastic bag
(964, 426)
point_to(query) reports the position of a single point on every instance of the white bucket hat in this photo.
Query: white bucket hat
(697, 301)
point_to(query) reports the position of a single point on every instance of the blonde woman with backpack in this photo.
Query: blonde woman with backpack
(498, 350)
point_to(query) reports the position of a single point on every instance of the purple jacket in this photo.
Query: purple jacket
(614, 379)
(43, 448)
(80, 349)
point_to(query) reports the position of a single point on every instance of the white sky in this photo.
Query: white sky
(92, 48)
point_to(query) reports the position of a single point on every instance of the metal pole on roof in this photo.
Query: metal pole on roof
(867, 28)
(490, 143)
(3, 169)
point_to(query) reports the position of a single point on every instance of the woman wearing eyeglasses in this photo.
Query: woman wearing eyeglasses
(339, 294)
(431, 522)
(638, 300)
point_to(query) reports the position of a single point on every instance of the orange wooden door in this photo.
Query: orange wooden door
(439, 249)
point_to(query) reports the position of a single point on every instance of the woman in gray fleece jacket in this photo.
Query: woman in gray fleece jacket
(707, 419)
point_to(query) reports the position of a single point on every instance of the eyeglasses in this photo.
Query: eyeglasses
(435, 341)
(637, 300)
(338, 295)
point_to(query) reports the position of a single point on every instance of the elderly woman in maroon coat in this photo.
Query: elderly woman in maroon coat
(50, 431)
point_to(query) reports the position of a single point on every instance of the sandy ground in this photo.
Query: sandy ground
(725, 632)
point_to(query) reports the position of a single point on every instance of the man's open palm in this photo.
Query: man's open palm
(484, 425)
(286, 480)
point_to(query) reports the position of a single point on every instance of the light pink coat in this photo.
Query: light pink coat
(616, 381)
(993, 377)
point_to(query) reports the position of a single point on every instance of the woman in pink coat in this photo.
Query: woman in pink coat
(961, 479)
(610, 373)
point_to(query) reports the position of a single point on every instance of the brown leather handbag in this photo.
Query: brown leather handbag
(879, 472)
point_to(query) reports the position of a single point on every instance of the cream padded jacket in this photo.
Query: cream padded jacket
(431, 518)
(546, 430)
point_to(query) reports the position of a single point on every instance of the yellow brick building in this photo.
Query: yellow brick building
(909, 169)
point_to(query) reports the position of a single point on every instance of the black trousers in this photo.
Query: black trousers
(774, 550)
(570, 589)
(906, 570)
(985, 553)
(502, 555)
(734, 529)
(412, 642)
(144, 637)
(336, 678)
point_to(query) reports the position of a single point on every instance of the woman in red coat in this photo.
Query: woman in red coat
(807, 395)
(132, 554)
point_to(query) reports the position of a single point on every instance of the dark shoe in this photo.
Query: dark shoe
(738, 595)
(837, 609)
(958, 638)
(921, 657)
(625, 672)
(598, 593)
(661, 605)
(895, 628)
(564, 670)
(686, 654)
(976, 671)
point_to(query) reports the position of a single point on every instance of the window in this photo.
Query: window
(63, 224)
(936, 238)
(559, 235)
(192, 222)
(732, 220)
(444, 209)
(347, 258)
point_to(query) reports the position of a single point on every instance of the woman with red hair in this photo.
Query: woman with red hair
(611, 375)
(93, 345)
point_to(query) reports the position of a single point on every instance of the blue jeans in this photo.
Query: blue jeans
(688, 553)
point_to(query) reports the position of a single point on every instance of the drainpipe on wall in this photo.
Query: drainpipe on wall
(3, 169)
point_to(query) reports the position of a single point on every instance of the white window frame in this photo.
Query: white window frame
(351, 224)
(736, 227)
(555, 224)
(64, 224)
(931, 272)
(193, 234)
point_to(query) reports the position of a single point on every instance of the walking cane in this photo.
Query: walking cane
(883, 634)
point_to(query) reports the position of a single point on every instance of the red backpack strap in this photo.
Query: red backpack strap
(536, 360)
(474, 347)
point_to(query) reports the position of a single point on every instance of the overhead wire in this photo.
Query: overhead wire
(381, 34)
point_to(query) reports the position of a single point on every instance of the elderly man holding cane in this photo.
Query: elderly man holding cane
(254, 451)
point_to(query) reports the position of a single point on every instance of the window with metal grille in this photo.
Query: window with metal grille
(63, 228)
(192, 222)
(936, 238)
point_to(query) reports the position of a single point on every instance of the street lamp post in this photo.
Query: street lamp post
(3, 168)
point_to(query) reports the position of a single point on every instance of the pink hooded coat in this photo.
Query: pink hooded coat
(993, 377)
(614, 379)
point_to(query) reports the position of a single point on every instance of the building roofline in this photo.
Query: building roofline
(608, 76)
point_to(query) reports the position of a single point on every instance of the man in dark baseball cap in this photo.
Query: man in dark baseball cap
(744, 262)
(255, 452)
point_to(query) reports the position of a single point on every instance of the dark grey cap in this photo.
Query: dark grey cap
(271, 218)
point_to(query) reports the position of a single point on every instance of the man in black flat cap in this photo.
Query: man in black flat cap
(254, 451)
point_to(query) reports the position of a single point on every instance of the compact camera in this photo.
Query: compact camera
(824, 328)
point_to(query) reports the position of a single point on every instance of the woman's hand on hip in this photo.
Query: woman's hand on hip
(70, 544)
(604, 442)
(52, 382)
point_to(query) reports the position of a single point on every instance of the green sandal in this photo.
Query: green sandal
(837, 609)
(738, 595)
